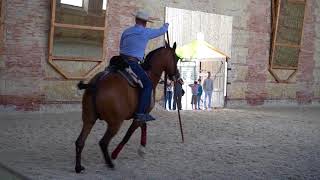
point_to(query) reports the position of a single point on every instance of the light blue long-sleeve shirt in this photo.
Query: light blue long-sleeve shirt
(134, 40)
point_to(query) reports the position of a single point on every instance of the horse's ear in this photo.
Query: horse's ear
(166, 44)
(174, 46)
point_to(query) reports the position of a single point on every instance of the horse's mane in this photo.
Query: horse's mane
(146, 65)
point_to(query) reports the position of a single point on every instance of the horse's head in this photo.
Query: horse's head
(162, 59)
(171, 61)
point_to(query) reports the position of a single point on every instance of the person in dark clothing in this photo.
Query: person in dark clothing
(177, 93)
(169, 94)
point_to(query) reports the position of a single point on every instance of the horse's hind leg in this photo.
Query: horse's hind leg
(89, 119)
(86, 128)
(104, 142)
(125, 139)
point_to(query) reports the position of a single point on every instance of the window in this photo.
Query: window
(78, 3)
(104, 5)
(77, 38)
(287, 29)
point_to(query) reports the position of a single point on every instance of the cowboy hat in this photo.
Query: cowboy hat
(144, 15)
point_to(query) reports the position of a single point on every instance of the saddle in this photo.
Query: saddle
(120, 65)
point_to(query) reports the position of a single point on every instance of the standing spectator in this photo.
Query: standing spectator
(208, 88)
(194, 89)
(177, 93)
(199, 93)
(169, 94)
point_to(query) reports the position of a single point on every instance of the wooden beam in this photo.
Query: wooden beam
(56, 67)
(291, 75)
(92, 70)
(73, 26)
(297, 1)
(288, 45)
(282, 67)
(72, 58)
(53, 17)
(304, 20)
(275, 32)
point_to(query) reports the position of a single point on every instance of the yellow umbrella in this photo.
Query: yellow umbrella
(199, 49)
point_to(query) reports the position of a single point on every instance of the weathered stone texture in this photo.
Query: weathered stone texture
(316, 71)
(259, 43)
(281, 91)
(236, 91)
(26, 32)
(241, 73)
(64, 91)
(306, 59)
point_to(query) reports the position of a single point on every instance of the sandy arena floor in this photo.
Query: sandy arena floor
(269, 143)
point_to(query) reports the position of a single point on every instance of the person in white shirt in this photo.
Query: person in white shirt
(208, 89)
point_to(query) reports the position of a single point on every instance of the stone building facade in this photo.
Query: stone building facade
(28, 82)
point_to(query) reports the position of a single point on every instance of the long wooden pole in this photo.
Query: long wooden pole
(176, 100)
(181, 130)
(165, 90)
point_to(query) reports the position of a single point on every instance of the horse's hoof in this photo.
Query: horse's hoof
(111, 165)
(79, 169)
(142, 151)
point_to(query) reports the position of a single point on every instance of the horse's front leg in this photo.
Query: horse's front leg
(143, 141)
(132, 128)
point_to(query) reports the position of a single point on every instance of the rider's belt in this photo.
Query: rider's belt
(130, 58)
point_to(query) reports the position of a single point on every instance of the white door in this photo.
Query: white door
(218, 87)
(217, 70)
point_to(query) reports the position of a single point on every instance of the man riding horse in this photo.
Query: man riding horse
(132, 47)
(109, 96)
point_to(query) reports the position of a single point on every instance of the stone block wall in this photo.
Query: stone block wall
(27, 81)
(26, 28)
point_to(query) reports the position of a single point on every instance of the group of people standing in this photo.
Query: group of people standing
(197, 90)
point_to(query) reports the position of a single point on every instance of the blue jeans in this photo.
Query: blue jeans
(168, 98)
(207, 95)
(199, 100)
(145, 92)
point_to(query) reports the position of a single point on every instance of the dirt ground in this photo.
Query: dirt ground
(258, 143)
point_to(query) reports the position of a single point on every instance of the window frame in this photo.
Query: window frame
(52, 58)
(275, 16)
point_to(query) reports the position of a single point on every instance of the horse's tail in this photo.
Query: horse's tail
(88, 86)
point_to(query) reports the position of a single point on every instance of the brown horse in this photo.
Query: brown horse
(112, 99)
